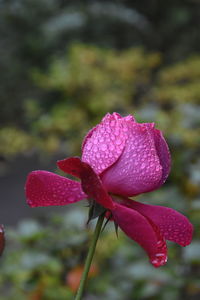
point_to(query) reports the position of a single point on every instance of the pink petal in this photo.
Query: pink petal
(138, 169)
(163, 154)
(173, 225)
(143, 231)
(104, 144)
(88, 136)
(91, 183)
(45, 188)
(71, 165)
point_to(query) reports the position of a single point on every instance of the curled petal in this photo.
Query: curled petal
(173, 225)
(163, 154)
(2, 239)
(91, 183)
(138, 169)
(143, 231)
(71, 165)
(104, 144)
(45, 188)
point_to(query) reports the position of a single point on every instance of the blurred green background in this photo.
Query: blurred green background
(64, 64)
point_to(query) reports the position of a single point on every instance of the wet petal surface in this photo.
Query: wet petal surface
(91, 183)
(104, 144)
(173, 225)
(163, 154)
(143, 231)
(138, 169)
(45, 188)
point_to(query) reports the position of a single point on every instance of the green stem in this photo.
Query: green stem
(89, 257)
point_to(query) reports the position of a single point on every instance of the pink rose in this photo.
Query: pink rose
(120, 158)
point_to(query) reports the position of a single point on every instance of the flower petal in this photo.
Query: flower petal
(163, 154)
(143, 231)
(138, 169)
(88, 136)
(91, 183)
(104, 144)
(45, 188)
(173, 225)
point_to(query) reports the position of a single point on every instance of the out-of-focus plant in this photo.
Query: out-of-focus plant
(87, 83)
(180, 82)
(14, 141)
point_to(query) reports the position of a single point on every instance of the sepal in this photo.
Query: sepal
(95, 210)
(116, 228)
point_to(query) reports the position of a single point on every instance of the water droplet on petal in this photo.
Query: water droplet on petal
(112, 123)
(103, 147)
(89, 146)
(118, 142)
(158, 168)
(98, 155)
(159, 260)
(71, 199)
(111, 147)
(101, 139)
(95, 149)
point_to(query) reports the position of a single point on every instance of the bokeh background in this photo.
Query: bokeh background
(64, 64)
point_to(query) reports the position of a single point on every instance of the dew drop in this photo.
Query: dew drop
(95, 141)
(98, 155)
(159, 260)
(116, 131)
(101, 139)
(89, 146)
(95, 149)
(103, 147)
(118, 142)
(71, 199)
(112, 123)
(125, 129)
(111, 147)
